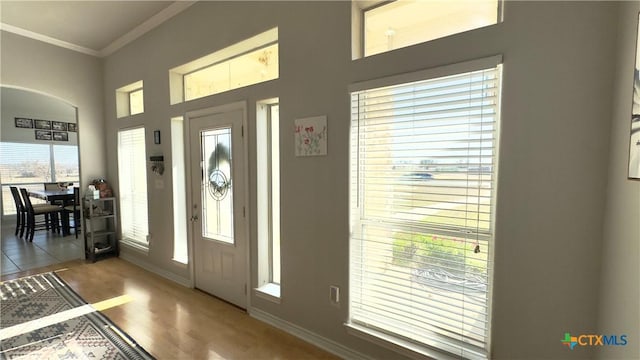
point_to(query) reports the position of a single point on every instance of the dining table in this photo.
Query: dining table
(65, 196)
(50, 196)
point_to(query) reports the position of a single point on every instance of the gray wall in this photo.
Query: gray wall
(70, 76)
(554, 151)
(619, 310)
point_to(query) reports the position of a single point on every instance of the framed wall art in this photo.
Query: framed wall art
(43, 135)
(60, 136)
(59, 125)
(42, 124)
(311, 136)
(24, 123)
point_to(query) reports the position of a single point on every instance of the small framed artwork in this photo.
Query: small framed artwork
(156, 136)
(634, 141)
(43, 135)
(60, 136)
(72, 127)
(24, 123)
(42, 124)
(311, 136)
(59, 125)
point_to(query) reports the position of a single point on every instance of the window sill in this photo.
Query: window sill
(181, 263)
(269, 292)
(398, 345)
(135, 246)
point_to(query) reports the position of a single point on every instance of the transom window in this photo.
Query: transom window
(423, 171)
(130, 99)
(392, 25)
(136, 101)
(245, 63)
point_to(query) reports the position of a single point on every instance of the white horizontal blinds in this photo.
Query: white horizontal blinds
(30, 165)
(132, 175)
(25, 163)
(422, 187)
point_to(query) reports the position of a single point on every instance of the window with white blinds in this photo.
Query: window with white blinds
(132, 176)
(423, 182)
(30, 165)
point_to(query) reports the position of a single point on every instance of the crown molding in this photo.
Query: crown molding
(47, 39)
(154, 21)
(127, 38)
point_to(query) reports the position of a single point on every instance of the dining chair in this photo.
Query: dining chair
(52, 211)
(55, 187)
(75, 210)
(21, 213)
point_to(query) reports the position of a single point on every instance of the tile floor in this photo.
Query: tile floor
(46, 249)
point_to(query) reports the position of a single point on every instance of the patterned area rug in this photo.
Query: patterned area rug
(41, 317)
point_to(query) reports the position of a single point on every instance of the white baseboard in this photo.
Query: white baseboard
(311, 337)
(154, 269)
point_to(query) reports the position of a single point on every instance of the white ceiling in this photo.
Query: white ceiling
(92, 27)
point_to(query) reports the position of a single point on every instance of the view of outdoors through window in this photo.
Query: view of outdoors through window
(422, 186)
(30, 165)
(136, 102)
(397, 24)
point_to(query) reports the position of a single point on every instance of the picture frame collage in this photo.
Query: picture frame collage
(47, 130)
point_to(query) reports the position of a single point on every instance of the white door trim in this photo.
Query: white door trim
(240, 105)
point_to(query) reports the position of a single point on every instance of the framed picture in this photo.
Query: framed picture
(43, 135)
(59, 125)
(60, 136)
(42, 124)
(156, 136)
(634, 142)
(310, 135)
(72, 127)
(24, 123)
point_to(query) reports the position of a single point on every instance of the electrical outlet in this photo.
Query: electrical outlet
(334, 294)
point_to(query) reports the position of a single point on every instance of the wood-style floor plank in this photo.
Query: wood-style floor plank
(174, 322)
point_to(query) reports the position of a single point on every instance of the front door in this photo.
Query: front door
(217, 205)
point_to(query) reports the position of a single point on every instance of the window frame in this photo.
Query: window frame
(140, 244)
(8, 200)
(383, 337)
(268, 286)
(358, 26)
(177, 84)
(132, 92)
(123, 99)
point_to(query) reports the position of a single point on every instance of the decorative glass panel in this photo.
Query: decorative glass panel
(217, 194)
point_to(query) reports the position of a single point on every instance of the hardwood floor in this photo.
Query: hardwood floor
(174, 322)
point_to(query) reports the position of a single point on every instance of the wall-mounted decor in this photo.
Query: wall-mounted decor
(42, 124)
(634, 143)
(24, 123)
(72, 127)
(156, 136)
(60, 136)
(43, 135)
(311, 136)
(59, 125)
